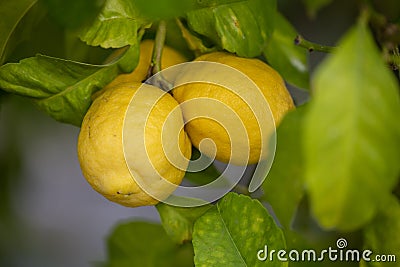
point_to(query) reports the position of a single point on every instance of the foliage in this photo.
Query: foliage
(229, 233)
(362, 137)
(337, 158)
(145, 244)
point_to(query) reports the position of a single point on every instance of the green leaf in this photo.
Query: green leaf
(382, 235)
(163, 9)
(116, 26)
(61, 88)
(145, 244)
(166, 9)
(178, 221)
(284, 186)
(73, 13)
(231, 234)
(11, 13)
(242, 28)
(119, 24)
(289, 60)
(352, 134)
(313, 6)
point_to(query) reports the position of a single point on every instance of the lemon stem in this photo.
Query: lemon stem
(310, 46)
(241, 189)
(155, 65)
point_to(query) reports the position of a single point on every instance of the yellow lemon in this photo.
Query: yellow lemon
(114, 136)
(242, 102)
(169, 58)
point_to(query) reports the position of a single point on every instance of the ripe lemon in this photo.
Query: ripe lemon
(272, 88)
(101, 144)
(169, 58)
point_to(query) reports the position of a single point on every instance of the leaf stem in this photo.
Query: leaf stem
(310, 46)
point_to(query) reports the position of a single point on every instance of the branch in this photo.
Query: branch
(155, 65)
(300, 41)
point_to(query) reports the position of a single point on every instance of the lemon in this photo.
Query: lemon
(272, 89)
(101, 144)
(169, 58)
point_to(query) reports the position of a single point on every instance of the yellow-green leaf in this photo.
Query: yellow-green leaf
(284, 185)
(289, 60)
(233, 232)
(352, 134)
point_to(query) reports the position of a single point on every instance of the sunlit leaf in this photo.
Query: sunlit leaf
(231, 234)
(178, 221)
(352, 134)
(289, 60)
(242, 28)
(284, 185)
(116, 26)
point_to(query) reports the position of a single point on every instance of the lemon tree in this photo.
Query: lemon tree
(102, 66)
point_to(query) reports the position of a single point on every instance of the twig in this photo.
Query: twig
(155, 65)
(392, 58)
(300, 41)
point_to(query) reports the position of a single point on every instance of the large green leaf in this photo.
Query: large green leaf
(147, 245)
(11, 14)
(284, 186)
(232, 233)
(61, 88)
(242, 28)
(116, 26)
(352, 134)
(382, 235)
(178, 221)
(290, 60)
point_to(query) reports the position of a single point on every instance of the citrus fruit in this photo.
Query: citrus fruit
(272, 89)
(110, 166)
(169, 58)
